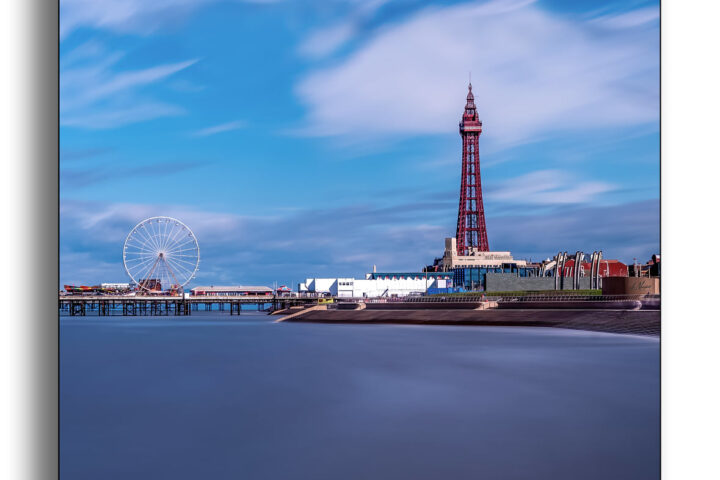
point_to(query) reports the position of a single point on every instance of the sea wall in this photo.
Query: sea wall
(510, 282)
(630, 286)
(639, 322)
(569, 305)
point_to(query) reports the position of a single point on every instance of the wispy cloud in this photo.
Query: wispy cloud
(648, 16)
(626, 231)
(114, 115)
(123, 16)
(325, 41)
(95, 95)
(224, 127)
(535, 73)
(99, 85)
(139, 17)
(84, 176)
(67, 155)
(547, 187)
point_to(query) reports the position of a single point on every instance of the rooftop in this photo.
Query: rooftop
(409, 274)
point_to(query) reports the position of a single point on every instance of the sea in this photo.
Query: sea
(212, 396)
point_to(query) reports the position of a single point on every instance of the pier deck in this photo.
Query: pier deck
(107, 305)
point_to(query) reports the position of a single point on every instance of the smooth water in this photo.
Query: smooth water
(219, 397)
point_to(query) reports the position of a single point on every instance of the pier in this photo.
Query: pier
(157, 305)
(634, 314)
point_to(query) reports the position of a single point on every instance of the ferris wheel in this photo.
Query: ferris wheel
(161, 253)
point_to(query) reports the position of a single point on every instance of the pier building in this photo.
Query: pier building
(231, 290)
(116, 286)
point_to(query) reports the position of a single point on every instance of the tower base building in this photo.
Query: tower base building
(471, 271)
(476, 258)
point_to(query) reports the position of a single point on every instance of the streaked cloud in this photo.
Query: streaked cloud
(138, 17)
(115, 115)
(624, 232)
(101, 84)
(534, 73)
(83, 176)
(96, 94)
(547, 187)
(325, 41)
(643, 16)
(123, 16)
(224, 127)
(67, 155)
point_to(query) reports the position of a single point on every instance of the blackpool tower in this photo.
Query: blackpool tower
(471, 233)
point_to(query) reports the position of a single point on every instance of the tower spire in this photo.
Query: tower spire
(470, 114)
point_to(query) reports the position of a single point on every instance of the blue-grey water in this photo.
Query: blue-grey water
(219, 397)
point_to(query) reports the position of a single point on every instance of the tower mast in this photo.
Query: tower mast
(471, 233)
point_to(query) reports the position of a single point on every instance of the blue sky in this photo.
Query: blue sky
(318, 138)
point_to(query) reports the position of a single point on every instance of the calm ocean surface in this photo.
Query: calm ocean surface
(219, 397)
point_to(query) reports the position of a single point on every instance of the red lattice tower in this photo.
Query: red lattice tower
(471, 232)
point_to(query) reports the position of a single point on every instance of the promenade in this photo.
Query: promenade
(637, 322)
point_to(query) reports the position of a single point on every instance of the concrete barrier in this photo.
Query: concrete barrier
(449, 305)
(350, 305)
(570, 305)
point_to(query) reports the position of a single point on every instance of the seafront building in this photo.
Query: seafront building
(386, 284)
(470, 271)
(476, 258)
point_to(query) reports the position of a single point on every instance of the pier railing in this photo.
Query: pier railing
(508, 298)
(156, 305)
